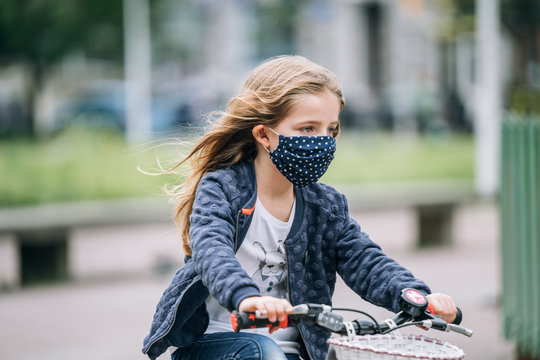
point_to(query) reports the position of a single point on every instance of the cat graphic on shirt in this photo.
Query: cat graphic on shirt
(270, 276)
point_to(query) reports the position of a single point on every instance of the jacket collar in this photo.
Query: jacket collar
(247, 209)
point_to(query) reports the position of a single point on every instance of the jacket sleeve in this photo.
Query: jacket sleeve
(212, 233)
(365, 268)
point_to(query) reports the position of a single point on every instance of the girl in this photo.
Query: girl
(260, 233)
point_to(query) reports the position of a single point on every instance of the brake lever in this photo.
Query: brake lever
(432, 320)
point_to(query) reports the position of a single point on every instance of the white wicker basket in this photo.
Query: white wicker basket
(393, 347)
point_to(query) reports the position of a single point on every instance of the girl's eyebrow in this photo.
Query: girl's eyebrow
(310, 122)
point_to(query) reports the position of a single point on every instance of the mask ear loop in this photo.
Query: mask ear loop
(275, 132)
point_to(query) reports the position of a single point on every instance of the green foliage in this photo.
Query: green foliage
(457, 17)
(521, 17)
(82, 165)
(522, 20)
(525, 100)
(41, 32)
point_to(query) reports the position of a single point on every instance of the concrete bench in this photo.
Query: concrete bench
(433, 202)
(84, 240)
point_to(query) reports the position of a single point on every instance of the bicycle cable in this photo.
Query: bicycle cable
(363, 313)
(402, 326)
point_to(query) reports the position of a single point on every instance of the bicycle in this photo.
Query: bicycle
(369, 339)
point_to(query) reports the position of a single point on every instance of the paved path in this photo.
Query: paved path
(109, 320)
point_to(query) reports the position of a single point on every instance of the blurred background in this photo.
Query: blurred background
(441, 140)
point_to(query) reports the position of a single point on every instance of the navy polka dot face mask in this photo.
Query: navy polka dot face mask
(303, 159)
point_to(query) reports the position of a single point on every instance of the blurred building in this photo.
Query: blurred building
(404, 64)
(385, 53)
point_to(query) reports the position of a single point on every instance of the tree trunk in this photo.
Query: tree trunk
(34, 87)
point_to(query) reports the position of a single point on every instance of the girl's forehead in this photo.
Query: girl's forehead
(321, 107)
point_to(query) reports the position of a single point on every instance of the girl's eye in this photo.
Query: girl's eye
(332, 132)
(307, 129)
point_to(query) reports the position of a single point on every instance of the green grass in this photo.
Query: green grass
(384, 157)
(82, 165)
(74, 166)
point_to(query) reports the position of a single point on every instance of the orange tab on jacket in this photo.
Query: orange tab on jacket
(249, 211)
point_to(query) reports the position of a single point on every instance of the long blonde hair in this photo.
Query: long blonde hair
(266, 97)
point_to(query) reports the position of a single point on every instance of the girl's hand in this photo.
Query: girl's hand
(276, 309)
(444, 306)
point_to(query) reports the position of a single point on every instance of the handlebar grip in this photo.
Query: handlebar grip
(459, 316)
(457, 320)
(246, 320)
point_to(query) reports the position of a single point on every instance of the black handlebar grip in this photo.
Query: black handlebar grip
(459, 317)
(459, 314)
(245, 320)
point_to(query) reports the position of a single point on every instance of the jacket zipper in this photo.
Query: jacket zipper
(174, 318)
(289, 295)
(236, 231)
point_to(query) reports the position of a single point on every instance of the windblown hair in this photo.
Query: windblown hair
(266, 97)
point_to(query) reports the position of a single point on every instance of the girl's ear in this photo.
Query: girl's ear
(260, 134)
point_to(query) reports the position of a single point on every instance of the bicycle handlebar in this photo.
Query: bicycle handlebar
(415, 311)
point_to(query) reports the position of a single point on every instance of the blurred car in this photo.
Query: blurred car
(103, 106)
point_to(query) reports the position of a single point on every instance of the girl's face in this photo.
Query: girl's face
(312, 115)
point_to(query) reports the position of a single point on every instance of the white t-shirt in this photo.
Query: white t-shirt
(262, 256)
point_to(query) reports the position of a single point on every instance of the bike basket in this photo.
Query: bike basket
(393, 347)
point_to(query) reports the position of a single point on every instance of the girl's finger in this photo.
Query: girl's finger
(281, 311)
(271, 311)
(288, 307)
(272, 329)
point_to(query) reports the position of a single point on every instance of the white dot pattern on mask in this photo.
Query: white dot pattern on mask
(303, 159)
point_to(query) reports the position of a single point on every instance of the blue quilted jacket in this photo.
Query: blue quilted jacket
(323, 242)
